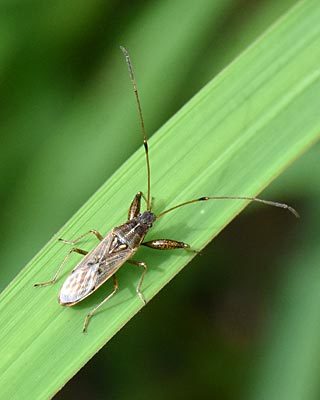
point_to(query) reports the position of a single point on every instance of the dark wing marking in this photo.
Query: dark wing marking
(97, 266)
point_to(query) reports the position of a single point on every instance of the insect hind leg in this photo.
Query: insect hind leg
(94, 310)
(138, 289)
(55, 277)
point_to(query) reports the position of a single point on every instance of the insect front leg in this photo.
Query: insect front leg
(138, 290)
(134, 208)
(93, 231)
(53, 280)
(167, 244)
(94, 310)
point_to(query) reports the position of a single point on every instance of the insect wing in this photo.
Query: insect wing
(97, 266)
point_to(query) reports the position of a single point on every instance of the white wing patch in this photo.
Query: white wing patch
(79, 284)
(95, 268)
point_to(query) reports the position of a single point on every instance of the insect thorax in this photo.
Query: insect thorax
(132, 233)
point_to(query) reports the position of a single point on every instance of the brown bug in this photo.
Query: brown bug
(122, 242)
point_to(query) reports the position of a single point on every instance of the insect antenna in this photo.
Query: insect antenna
(256, 199)
(143, 131)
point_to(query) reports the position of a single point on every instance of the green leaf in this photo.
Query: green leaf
(233, 138)
(95, 121)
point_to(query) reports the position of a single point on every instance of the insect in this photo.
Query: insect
(122, 242)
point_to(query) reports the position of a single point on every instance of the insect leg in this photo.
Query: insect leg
(95, 232)
(53, 280)
(168, 244)
(138, 290)
(94, 310)
(134, 208)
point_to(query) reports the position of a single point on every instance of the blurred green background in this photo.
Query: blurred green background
(242, 321)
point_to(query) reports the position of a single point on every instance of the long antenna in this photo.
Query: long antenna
(268, 202)
(144, 135)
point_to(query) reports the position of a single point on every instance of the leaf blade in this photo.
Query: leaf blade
(235, 151)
